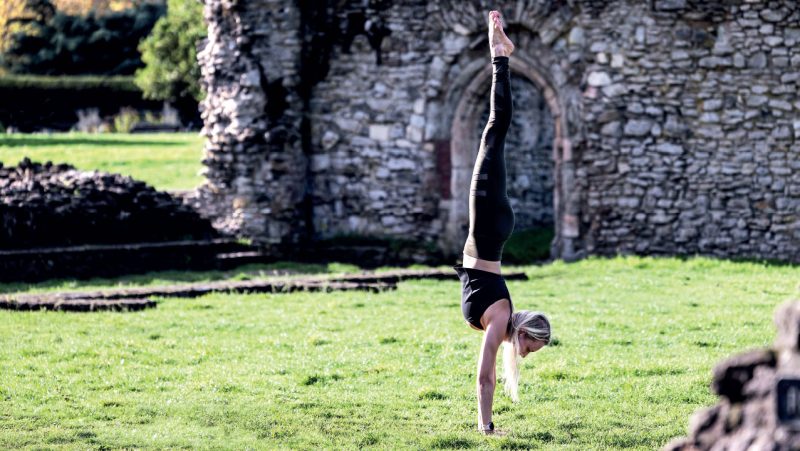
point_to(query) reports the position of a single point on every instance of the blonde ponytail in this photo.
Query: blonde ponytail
(533, 324)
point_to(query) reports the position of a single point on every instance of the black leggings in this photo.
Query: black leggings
(491, 219)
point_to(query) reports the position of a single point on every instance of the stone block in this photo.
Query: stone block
(419, 106)
(715, 61)
(756, 100)
(779, 104)
(640, 127)
(576, 37)
(320, 162)
(377, 194)
(758, 61)
(669, 5)
(599, 79)
(395, 164)
(669, 148)
(379, 132)
(347, 124)
(787, 320)
(388, 221)
(329, 139)
(614, 128)
(712, 118)
(614, 90)
(731, 376)
(773, 15)
(712, 104)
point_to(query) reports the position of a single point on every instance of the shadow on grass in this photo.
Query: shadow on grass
(767, 263)
(697, 258)
(452, 442)
(48, 141)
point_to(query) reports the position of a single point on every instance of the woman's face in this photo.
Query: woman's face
(528, 344)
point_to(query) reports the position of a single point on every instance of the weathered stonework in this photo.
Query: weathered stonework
(746, 416)
(671, 124)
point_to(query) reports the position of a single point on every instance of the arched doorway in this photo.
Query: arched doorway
(531, 208)
(529, 156)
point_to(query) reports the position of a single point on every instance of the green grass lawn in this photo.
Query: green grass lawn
(167, 161)
(637, 338)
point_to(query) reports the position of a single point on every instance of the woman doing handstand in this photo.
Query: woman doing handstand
(486, 302)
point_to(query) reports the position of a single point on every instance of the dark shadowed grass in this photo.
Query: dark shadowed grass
(167, 161)
(256, 271)
(637, 339)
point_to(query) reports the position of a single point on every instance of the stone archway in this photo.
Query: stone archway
(529, 156)
(464, 142)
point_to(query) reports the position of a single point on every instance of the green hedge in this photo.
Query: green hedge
(80, 82)
(528, 246)
(32, 103)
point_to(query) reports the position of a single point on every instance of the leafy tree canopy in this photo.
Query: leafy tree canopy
(171, 70)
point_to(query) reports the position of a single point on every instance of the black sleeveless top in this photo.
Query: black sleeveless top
(479, 290)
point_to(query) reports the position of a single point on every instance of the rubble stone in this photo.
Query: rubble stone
(56, 205)
(746, 416)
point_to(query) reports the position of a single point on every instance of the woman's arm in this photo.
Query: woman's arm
(487, 380)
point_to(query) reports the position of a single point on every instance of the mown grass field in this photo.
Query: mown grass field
(167, 161)
(637, 338)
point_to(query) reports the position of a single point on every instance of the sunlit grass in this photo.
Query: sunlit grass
(167, 161)
(637, 338)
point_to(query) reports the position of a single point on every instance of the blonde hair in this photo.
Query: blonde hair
(535, 325)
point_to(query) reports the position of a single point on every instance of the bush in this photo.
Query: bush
(89, 121)
(79, 82)
(31, 103)
(169, 53)
(528, 246)
(125, 120)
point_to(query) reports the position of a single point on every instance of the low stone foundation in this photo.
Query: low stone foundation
(47, 205)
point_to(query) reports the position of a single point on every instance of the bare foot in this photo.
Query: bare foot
(499, 44)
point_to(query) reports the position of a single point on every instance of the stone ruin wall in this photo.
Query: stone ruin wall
(671, 124)
(382, 161)
(749, 414)
(691, 126)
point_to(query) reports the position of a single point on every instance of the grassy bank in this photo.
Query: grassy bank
(637, 339)
(167, 161)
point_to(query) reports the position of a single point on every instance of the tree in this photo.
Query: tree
(11, 11)
(84, 7)
(55, 43)
(14, 12)
(169, 53)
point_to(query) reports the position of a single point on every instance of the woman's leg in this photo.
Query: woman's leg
(491, 219)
